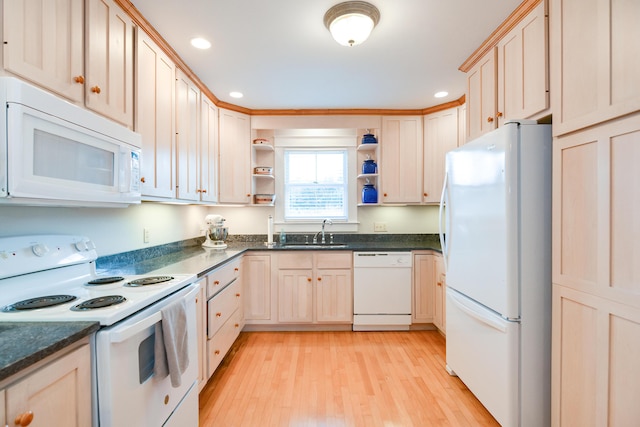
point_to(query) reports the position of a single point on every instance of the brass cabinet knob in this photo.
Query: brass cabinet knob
(489, 119)
(238, 295)
(24, 419)
(218, 314)
(237, 325)
(216, 352)
(142, 180)
(319, 279)
(96, 89)
(425, 194)
(204, 191)
(235, 269)
(166, 399)
(499, 114)
(79, 79)
(216, 282)
(308, 279)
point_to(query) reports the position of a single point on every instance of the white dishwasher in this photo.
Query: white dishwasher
(381, 291)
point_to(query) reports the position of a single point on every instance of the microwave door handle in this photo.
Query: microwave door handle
(125, 171)
(131, 330)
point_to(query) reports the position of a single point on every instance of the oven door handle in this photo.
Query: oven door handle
(127, 332)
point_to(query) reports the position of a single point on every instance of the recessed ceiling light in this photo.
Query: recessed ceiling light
(441, 94)
(236, 94)
(200, 43)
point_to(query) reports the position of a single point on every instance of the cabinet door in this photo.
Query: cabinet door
(208, 170)
(440, 136)
(59, 393)
(295, 296)
(43, 42)
(481, 96)
(187, 134)
(155, 118)
(334, 296)
(109, 61)
(235, 157)
(595, 52)
(523, 88)
(440, 307)
(257, 287)
(423, 288)
(401, 159)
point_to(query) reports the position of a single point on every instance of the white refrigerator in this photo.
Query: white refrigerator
(496, 240)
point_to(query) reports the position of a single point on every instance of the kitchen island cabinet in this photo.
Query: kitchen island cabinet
(56, 392)
(43, 42)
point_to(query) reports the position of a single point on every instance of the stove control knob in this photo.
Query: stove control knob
(90, 245)
(40, 249)
(81, 246)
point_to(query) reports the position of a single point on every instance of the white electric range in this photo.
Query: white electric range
(48, 278)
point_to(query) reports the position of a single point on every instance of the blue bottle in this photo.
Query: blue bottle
(369, 194)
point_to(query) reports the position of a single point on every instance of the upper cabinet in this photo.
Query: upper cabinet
(187, 137)
(235, 157)
(401, 159)
(155, 118)
(595, 52)
(510, 81)
(440, 136)
(208, 162)
(43, 42)
(109, 61)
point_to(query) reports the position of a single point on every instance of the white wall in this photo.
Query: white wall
(121, 230)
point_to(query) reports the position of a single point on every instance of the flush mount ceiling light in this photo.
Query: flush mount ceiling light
(200, 43)
(351, 22)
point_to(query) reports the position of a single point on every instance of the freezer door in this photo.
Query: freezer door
(482, 254)
(482, 349)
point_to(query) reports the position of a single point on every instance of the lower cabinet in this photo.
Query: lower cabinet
(428, 289)
(59, 393)
(315, 287)
(201, 320)
(224, 319)
(256, 280)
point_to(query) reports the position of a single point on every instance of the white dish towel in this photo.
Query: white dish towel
(171, 345)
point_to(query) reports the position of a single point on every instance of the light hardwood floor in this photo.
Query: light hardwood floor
(338, 379)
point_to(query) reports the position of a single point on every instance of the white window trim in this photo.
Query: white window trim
(317, 138)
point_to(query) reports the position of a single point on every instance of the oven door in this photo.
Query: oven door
(128, 392)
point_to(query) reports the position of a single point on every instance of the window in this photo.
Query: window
(315, 184)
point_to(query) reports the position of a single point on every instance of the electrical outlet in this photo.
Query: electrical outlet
(145, 235)
(379, 226)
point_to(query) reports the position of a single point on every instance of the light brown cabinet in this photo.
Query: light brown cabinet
(257, 288)
(440, 136)
(595, 51)
(235, 157)
(109, 61)
(155, 118)
(440, 307)
(511, 80)
(428, 289)
(187, 137)
(401, 160)
(596, 291)
(58, 393)
(43, 42)
(315, 287)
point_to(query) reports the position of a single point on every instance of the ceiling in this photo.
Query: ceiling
(279, 54)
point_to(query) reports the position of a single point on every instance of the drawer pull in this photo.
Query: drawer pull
(236, 325)
(237, 295)
(217, 352)
(218, 314)
(235, 269)
(216, 282)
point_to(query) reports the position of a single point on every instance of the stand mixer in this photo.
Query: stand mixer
(215, 233)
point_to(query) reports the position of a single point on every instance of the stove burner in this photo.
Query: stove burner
(105, 280)
(39, 302)
(152, 280)
(99, 302)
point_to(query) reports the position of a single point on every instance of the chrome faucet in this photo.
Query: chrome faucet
(315, 238)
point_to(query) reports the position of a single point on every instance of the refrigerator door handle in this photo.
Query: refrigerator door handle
(477, 314)
(443, 198)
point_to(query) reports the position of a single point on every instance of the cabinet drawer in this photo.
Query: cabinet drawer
(221, 306)
(221, 277)
(333, 260)
(295, 260)
(219, 345)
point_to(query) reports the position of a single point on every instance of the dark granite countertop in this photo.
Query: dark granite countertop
(25, 343)
(191, 258)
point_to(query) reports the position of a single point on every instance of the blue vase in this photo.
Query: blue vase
(369, 194)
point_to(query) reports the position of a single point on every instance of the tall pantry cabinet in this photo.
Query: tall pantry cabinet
(595, 51)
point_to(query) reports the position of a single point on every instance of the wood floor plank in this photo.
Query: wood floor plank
(338, 379)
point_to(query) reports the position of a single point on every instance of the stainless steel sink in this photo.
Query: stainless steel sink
(314, 246)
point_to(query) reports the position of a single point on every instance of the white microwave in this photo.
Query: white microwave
(57, 153)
